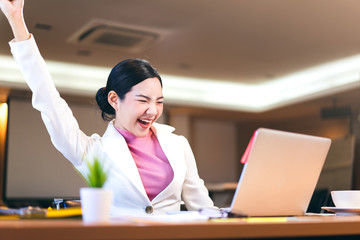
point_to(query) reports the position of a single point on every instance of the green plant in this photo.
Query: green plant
(96, 174)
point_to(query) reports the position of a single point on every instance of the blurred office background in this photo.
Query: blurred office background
(228, 66)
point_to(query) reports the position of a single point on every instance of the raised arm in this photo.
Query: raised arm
(13, 10)
(56, 114)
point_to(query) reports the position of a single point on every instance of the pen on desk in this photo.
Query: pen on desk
(219, 213)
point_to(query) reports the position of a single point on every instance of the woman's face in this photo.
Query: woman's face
(142, 106)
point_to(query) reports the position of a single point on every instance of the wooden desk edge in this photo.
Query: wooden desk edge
(76, 229)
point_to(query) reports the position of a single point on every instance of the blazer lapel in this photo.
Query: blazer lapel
(121, 158)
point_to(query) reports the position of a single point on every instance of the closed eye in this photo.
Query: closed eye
(144, 99)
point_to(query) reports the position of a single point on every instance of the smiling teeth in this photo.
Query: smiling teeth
(147, 121)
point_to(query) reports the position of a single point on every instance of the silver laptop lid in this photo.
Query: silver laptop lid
(280, 174)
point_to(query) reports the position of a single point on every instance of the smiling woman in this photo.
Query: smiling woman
(133, 96)
(152, 170)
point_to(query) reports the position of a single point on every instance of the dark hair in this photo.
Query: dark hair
(122, 78)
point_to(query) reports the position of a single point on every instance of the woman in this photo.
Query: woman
(152, 169)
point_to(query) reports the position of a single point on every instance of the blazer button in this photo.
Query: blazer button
(149, 209)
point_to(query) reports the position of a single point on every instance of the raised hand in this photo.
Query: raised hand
(13, 10)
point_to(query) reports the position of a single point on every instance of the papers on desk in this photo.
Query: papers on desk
(175, 217)
(184, 216)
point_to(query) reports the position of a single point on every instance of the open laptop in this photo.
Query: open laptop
(280, 173)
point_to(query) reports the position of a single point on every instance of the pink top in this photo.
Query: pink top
(153, 166)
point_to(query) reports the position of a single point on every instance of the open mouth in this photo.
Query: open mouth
(144, 122)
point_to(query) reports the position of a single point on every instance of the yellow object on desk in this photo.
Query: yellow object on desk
(64, 213)
(8, 217)
(35, 212)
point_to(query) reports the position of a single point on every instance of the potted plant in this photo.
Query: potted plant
(96, 174)
(95, 200)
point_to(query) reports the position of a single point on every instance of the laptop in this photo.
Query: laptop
(280, 173)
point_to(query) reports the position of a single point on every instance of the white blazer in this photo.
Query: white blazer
(124, 180)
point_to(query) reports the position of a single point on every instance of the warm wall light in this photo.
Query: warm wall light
(3, 113)
(3, 126)
(3, 122)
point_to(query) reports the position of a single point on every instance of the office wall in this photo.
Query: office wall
(214, 144)
(309, 124)
(215, 148)
(34, 167)
(337, 173)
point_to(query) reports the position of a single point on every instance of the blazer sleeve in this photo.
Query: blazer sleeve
(194, 193)
(56, 114)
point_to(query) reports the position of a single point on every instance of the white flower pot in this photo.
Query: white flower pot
(95, 204)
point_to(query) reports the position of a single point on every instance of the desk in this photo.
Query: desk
(342, 227)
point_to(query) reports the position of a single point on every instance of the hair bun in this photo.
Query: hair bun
(105, 107)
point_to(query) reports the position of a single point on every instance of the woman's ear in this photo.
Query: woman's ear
(113, 99)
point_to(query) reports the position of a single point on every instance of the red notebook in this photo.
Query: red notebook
(248, 149)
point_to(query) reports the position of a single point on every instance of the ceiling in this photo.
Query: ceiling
(249, 42)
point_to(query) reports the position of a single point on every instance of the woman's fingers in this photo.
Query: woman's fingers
(13, 10)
